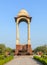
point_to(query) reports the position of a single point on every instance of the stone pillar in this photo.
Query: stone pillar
(29, 40)
(17, 34)
(17, 39)
(29, 33)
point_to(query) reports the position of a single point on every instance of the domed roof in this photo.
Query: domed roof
(23, 12)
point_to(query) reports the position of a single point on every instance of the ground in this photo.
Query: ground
(23, 60)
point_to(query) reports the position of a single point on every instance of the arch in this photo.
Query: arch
(23, 16)
(23, 20)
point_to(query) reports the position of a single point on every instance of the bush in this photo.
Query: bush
(5, 60)
(41, 59)
(44, 56)
(1, 57)
(8, 59)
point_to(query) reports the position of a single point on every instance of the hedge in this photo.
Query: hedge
(41, 59)
(5, 60)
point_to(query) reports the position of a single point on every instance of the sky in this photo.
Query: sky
(37, 9)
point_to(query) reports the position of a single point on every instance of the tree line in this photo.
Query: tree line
(43, 49)
(4, 49)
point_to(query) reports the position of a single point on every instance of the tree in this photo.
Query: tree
(8, 49)
(41, 48)
(2, 48)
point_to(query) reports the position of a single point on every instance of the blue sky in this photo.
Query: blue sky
(36, 8)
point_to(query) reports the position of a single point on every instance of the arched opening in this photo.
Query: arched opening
(23, 33)
(23, 20)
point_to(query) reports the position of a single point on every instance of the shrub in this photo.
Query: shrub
(41, 59)
(1, 57)
(5, 60)
(44, 56)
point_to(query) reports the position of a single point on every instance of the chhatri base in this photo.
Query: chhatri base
(23, 49)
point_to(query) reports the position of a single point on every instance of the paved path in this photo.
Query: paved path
(23, 60)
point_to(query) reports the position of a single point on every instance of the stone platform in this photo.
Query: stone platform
(23, 50)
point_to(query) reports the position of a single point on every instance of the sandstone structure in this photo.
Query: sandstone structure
(23, 49)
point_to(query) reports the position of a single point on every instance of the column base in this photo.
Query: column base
(17, 49)
(23, 49)
(29, 49)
